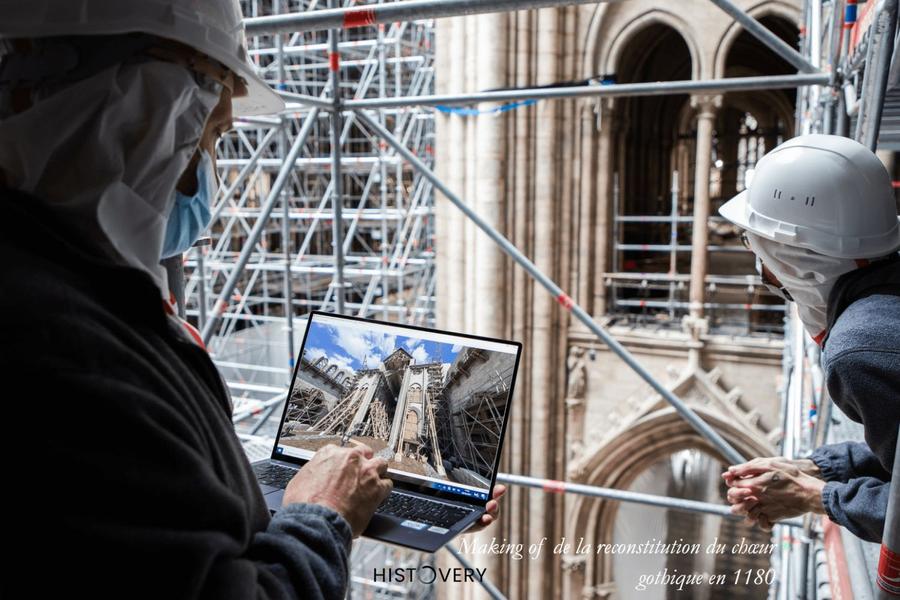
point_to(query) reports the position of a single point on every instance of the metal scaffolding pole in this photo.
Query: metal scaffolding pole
(888, 578)
(489, 587)
(775, 43)
(283, 176)
(565, 487)
(337, 187)
(347, 18)
(615, 90)
(567, 302)
(286, 224)
(882, 36)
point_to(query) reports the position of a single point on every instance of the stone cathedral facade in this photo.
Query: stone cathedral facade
(589, 189)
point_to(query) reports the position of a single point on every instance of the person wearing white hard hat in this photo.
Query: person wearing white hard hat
(821, 218)
(133, 483)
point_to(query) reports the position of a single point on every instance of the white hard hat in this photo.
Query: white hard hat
(826, 193)
(213, 27)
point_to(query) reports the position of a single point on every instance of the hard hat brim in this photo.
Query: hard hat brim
(260, 99)
(735, 210)
(738, 212)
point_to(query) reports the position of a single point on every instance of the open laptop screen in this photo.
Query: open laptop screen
(433, 404)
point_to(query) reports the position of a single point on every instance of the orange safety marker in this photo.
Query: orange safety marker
(888, 578)
(555, 486)
(566, 301)
(359, 18)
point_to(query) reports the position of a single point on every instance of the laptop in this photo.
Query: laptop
(434, 404)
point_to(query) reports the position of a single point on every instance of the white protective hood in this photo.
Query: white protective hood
(107, 151)
(807, 275)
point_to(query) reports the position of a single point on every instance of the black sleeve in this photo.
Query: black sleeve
(860, 505)
(848, 460)
(128, 502)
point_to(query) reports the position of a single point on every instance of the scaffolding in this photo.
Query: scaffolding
(330, 204)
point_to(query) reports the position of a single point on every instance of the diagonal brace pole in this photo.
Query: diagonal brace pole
(257, 231)
(764, 35)
(699, 425)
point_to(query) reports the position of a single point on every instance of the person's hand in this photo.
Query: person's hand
(757, 465)
(766, 490)
(347, 480)
(491, 510)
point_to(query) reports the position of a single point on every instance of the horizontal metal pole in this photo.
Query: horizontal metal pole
(685, 277)
(361, 16)
(305, 100)
(246, 414)
(699, 425)
(565, 487)
(677, 248)
(614, 90)
(706, 305)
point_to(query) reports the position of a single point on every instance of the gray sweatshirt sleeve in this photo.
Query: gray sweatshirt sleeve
(856, 494)
(848, 460)
(860, 505)
(310, 543)
(862, 371)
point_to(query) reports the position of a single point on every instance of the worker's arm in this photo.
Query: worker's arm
(848, 460)
(864, 382)
(862, 372)
(139, 505)
(860, 505)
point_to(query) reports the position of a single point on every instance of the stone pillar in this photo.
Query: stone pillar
(443, 146)
(490, 178)
(522, 200)
(453, 291)
(706, 106)
(541, 506)
(585, 254)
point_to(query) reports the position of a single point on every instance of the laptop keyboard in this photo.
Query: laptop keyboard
(401, 506)
(274, 474)
(416, 508)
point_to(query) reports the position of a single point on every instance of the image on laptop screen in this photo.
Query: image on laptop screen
(432, 404)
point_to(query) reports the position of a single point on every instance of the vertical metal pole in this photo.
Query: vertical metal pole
(201, 285)
(618, 239)
(382, 171)
(867, 83)
(673, 242)
(842, 127)
(398, 173)
(337, 199)
(286, 221)
(706, 115)
(888, 578)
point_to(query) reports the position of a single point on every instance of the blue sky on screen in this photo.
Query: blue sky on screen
(350, 347)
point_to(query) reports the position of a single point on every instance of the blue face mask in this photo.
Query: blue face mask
(191, 214)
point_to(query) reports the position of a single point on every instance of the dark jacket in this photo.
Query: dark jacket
(124, 476)
(861, 361)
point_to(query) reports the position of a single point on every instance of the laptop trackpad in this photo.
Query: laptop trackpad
(273, 499)
(268, 489)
